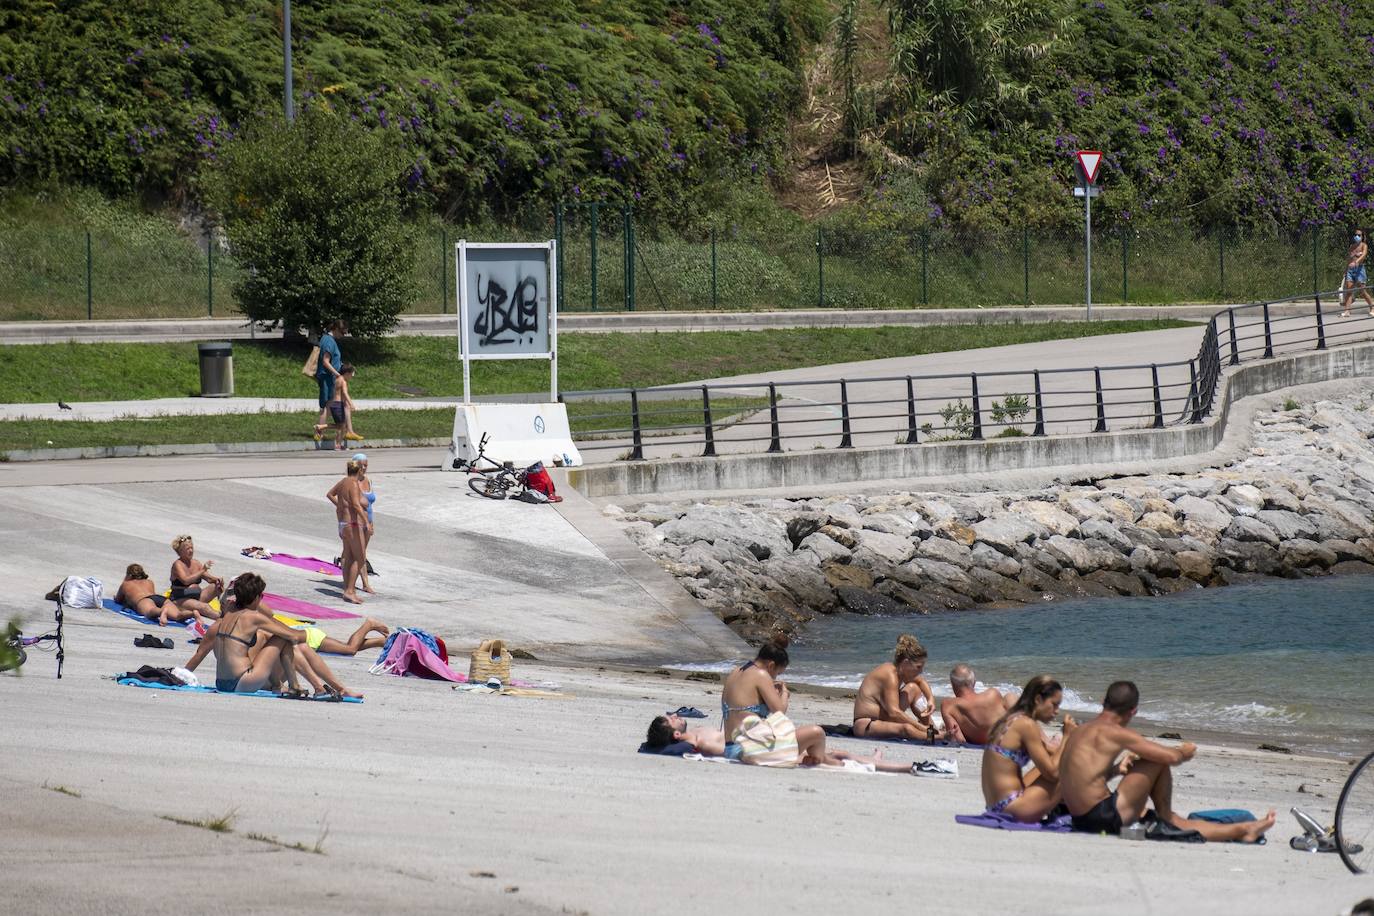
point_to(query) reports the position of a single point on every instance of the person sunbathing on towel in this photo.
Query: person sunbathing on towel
(318, 640)
(253, 650)
(710, 742)
(137, 592)
(969, 715)
(1017, 740)
(886, 704)
(192, 583)
(1104, 748)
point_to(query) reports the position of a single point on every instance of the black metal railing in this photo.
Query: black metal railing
(772, 416)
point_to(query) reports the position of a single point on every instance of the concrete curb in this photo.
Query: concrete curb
(186, 329)
(206, 448)
(763, 473)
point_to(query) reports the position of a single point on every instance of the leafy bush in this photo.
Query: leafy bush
(314, 217)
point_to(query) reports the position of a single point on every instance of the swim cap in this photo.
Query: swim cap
(359, 457)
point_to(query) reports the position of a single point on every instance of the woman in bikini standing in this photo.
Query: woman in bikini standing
(350, 508)
(193, 586)
(137, 592)
(246, 659)
(1017, 740)
(365, 484)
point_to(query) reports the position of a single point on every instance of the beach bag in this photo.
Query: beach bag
(490, 660)
(537, 478)
(312, 363)
(81, 591)
(770, 742)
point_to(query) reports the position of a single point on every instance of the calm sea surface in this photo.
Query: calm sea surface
(1287, 661)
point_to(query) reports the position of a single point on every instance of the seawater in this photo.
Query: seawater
(1287, 661)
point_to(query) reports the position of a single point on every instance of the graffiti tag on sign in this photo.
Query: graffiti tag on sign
(504, 318)
(507, 301)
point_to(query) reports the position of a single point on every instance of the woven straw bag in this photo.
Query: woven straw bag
(490, 660)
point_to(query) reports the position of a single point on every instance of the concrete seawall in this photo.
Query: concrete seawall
(827, 466)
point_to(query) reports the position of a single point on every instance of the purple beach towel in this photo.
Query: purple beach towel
(409, 656)
(1061, 824)
(297, 608)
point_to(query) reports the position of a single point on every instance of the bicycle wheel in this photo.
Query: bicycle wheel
(490, 487)
(20, 656)
(1355, 819)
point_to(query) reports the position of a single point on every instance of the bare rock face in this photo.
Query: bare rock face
(1119, 582)
(862, 601)
(1203, 519)
(842, 536)
(958, 531)
(1286, 524)
(1301, 553)
(1046, 515)
(1250, 529)
(824, 549)
(1070, 553)
(1105, 531)
(1006, 533)
(842, 575)
(1195, 565)
(877, 549)
(988, 558)
(1160, 523)
(946, 551)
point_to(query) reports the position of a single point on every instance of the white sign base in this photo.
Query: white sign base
(518, 433)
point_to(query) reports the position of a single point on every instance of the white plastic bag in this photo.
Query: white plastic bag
(82, 591)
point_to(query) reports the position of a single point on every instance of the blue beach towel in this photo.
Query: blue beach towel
(135, 682)
(1061, 824)
(1223, 816)
(110, 605)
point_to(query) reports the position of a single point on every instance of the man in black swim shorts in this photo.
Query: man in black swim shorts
(1104, 748)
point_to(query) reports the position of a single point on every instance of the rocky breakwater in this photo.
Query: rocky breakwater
(1299, 504)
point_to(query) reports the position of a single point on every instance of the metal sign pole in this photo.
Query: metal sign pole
(553, 319)
(461, 267)
(1088, 242)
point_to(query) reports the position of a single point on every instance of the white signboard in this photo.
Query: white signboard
(507, 304)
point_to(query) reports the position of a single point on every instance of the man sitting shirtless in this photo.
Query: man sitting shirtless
(970, 715)
(1090, 758)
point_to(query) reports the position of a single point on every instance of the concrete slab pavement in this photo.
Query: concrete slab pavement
(99, 411)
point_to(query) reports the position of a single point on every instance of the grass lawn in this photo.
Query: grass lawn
(586, 417)
(399, 367)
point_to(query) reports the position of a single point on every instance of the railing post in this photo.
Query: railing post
(1025, 262)
(1159, 404)
(1268, 337)
(90, 311)
(925, 251)
(911, 438)
(1193, 393)
(707, 424)
(1235, 351)
(1039, 407)
(636, 453)
(845, 440)
(1321, 325)
(977, 408)
(593, 241)
(820, 269)
(713, 267)
(1101, 426)
(443, 257)
(1125, 245)
(775, 434)
(210, 275)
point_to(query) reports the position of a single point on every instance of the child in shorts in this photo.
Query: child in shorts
(341, 408)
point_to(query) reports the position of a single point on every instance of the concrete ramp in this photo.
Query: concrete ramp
(448, 561)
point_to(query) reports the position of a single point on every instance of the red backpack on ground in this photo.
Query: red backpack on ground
(537, 479)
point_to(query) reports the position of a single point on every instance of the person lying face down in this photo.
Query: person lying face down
(1104, 748)
(710, 742)
(969, 715)
(886, 705)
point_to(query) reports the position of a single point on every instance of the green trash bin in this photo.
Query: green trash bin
(216, 369)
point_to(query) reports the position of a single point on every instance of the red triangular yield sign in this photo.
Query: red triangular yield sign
(1088, 161)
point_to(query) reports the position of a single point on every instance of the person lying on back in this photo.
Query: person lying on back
(969, 715)
(710, 742)
(1104, 748)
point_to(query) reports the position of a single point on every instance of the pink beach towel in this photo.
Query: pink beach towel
(297, 608)
(311, 564)
(410, 656)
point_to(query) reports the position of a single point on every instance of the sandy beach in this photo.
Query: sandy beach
(426, 799)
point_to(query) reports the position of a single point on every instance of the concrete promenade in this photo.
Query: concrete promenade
(187, 329)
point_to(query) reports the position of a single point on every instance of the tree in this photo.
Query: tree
(314, 213)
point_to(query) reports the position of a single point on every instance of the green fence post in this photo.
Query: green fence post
(1125, 242)
(443, 270)
(89, 310)
(627, 217)
(1025, 259)
(558, 241)
(713, 267)
(1314, 260)
(820, 269)
(1221, 259)
(925, 251)
(210, 271)
(593, 256)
